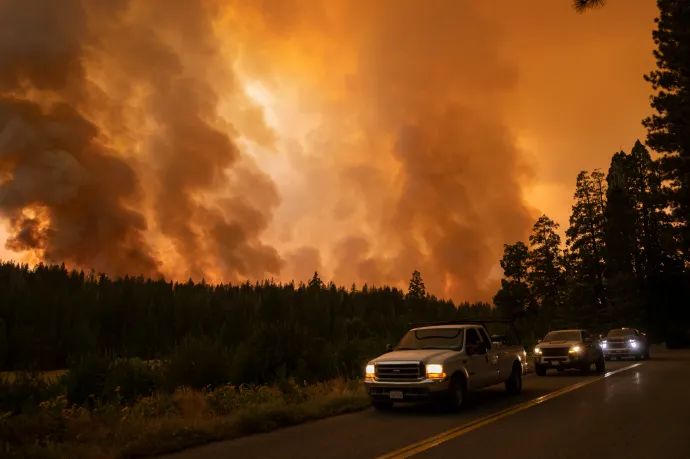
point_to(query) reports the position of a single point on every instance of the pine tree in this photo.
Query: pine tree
(585, 243)
(315, 281)
(667, 130)
(622, 254)
(416, 290)
(514, 299)
(583, 5)
(545, 269)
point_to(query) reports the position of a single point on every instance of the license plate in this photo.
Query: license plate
(396, 394)
(555, 362)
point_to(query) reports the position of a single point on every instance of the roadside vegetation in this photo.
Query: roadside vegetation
(105, 408)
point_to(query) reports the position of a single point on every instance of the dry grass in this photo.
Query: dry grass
(48, 375)
(170, 422)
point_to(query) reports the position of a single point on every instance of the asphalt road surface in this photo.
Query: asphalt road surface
(641, 411)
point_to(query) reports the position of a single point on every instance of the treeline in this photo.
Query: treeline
(265, 331)
(623, 263)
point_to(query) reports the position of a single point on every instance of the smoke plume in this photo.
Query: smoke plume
(232, 140)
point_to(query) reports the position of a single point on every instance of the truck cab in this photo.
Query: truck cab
(442, 362)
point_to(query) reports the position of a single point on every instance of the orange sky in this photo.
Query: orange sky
(237, 139)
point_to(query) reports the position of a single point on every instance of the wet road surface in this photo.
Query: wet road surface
(640, 412)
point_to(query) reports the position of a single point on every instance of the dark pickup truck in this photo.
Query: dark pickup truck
(565, 349)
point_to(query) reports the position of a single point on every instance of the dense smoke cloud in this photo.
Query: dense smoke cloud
(100, 95)
(233, 140)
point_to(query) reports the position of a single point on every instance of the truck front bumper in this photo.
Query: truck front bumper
(624, 352)
(413, 391)
(564, 363)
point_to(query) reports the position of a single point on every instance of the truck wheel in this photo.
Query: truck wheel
(601, 365)
(540, 370)
(586, 369)
(647, 354)
(457, 392)
(514, 383)
(382, 406)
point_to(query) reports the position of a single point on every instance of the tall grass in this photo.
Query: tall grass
(128, 410)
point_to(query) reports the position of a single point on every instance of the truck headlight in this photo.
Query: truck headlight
(633, 344)
(369, 372)
(435, 371)
(537, 351)
(603, 345)
(574, 350)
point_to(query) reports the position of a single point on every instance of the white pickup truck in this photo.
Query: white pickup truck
(442, 362)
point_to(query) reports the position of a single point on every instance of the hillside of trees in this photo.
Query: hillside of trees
(622, 264)
(314, 331)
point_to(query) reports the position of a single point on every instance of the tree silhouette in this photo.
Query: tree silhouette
(583, 5)
(416, 289)
(667, 130)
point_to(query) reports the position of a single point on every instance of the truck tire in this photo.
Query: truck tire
(540, 370)
(647, 353)
(601, 364)
(382, 406)
(457, 393)
(514, 382)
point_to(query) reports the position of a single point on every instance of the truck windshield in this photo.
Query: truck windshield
(562, 336)
(431, 338)
(619, 332)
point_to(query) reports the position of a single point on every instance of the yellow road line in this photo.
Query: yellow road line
(443, 437)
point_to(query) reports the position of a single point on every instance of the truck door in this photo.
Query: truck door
(480, 370)
(496, 358)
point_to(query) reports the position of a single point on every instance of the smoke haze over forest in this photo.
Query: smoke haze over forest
(253, 139)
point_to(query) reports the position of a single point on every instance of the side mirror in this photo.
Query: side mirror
(643, 334)
(601, 336)
(538, 341)
(389, 348)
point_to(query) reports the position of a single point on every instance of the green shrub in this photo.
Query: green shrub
(198, 363)
(129, 379)
(86, 377)
(25, 391)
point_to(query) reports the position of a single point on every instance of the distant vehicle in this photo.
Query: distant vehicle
(565, 349)
(442, 362)
(625, 342)
(500, 340)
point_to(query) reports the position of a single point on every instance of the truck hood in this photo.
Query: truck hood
(423, 355)
(552, 344)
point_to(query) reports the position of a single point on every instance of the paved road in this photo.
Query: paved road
(640, 412)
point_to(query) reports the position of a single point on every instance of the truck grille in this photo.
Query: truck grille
(555, 351)
(400, 371)
(617, 343)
